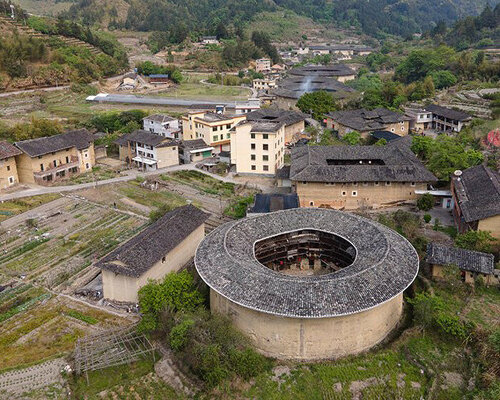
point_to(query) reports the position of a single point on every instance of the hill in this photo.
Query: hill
(400, 17)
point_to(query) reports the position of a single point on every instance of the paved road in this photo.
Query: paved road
(46, 89)
(131, 175)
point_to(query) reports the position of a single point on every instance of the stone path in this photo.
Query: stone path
(32, 378)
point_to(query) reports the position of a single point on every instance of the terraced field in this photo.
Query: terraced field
(62, 239)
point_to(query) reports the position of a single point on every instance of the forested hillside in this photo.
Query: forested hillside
(401, 17)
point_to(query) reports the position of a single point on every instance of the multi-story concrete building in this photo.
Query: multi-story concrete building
(8, 168)
(437, 118)
(262, 65)
(212, 127)
(48, 159)
(164, 246)
(352, 177)
(294, 121)
(264, 84)
(258, 147)
(148, 151)
(476, 194)
(364, 121)
(163, 125)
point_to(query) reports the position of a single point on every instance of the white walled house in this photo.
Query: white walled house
(163, 125)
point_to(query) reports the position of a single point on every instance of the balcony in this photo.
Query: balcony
(58, 171)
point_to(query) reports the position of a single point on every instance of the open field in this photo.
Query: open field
(45, 7)
(14, 207)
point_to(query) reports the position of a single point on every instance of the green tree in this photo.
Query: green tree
(177, 292)
(425, 202)
(443, 79)
(421, 146)
(475, 240)
(317, 103)
(352, 138)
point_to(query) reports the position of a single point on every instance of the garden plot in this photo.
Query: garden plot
(37, 325)
(59, 240)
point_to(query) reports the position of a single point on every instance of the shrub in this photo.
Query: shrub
(155, 215)
(353, 138)
(177, 292)
(475, 240)
(425, 202)
(427, 218)
(179, 334)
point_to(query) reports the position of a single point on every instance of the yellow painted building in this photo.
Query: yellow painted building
(8, 167)
(212, 127)
(49, 159)
(258, 147)
(165, 246)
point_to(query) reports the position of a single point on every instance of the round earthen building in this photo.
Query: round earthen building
(308, 284)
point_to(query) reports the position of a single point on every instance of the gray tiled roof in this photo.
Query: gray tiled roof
(323, 70)
(80, 138)
(277, 115)
(365, 120)
(145, 137)
(448, 112)
(159, 118)
(264, 126)
(313, 164)
(473, 261)
(385, 265)
(195, 144)
(8, 150)
(139, 254)
(478, 193)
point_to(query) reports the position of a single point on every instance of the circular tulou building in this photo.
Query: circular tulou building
(308, 284)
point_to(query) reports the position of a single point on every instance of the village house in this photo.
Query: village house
(353, 177)
(194, 151)
(209, 40)
(147, 150)
(163, 125)
(258, 147)
(264, 84)
(165, 246)
(49, 159)
(472, 264)
(129, 81)
(294, 121)
(159, 79)
(476, 194)
(212, 127)
(365, 121)
(262, 65)
(437, 118)
(8, 168)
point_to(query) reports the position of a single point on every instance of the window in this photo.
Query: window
(376, 183)
(392, 129)
(228, 126)
(67, 159)
(163, 259)
(87, 166)
(365, 183)
(355, 184)
(87, 154)
(214, 139)
(265, 147)
(265, 158)
(265, 167)
(304, 183)
(388, 184)
(11, 179)
(265, 136)
(344, 193)
(41, 167)
(311, 203)
(354, 193)
(252, 136)
(214, 129)
(402, 128)
(8, 167)
(252, 157)
(221, 137)
(412, 184)
(252, 146)
(253, 168)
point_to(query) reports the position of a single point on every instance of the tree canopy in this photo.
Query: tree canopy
(317, 104)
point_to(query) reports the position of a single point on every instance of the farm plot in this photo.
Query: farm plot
(37, 325)
(54, 244)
